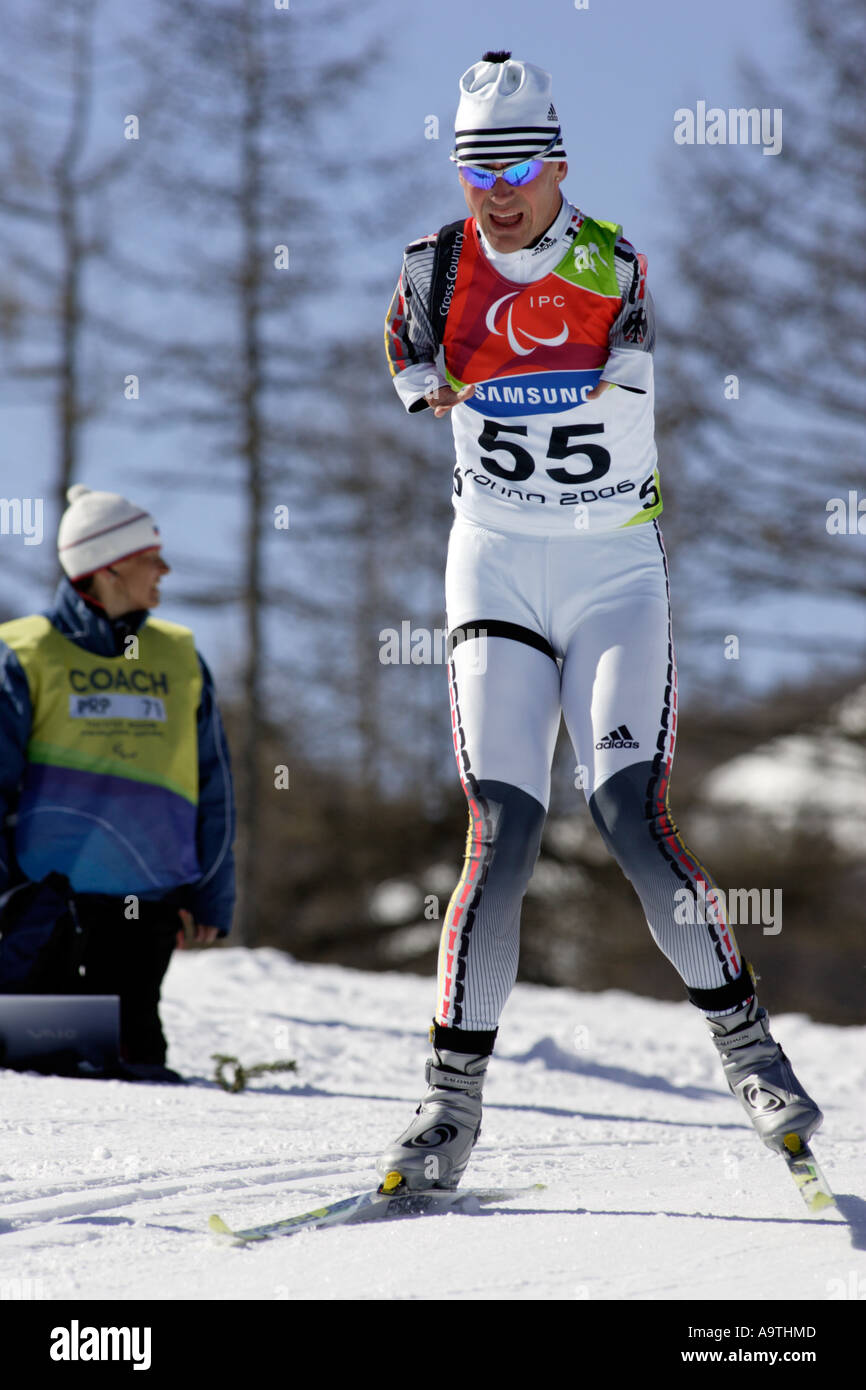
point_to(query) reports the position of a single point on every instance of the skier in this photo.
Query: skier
(556, 565)
(115, 789)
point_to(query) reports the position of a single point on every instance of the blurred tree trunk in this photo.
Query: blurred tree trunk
(251, 293)
(72, 251)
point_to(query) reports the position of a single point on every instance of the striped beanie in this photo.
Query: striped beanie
(505, 113)
(99, 528)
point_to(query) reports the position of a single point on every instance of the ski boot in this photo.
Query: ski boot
(760, 1076)
(434, 1151)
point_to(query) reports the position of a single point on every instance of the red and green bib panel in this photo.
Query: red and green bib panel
(533, 455)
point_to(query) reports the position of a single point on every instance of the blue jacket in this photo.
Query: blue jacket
(213, 894)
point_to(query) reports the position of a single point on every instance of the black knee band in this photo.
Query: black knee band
(463, 1040)
(726, 996)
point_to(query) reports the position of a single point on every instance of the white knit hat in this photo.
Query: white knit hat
(506, 113)
(98, 528)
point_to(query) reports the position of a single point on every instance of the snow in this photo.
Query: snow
(812, 780)
(655, 1186)
(395, 900)
(849, 714)
(800, 782)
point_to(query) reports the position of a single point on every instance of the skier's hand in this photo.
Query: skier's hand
(599, 390)
(194, 933)
(445, 399)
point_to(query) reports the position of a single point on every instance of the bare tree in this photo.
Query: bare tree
(240, 122)
(55, 172)
(762, 416)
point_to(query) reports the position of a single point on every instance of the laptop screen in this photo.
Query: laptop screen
(37, 1027)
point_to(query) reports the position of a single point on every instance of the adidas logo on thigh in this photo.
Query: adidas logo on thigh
(618, 738)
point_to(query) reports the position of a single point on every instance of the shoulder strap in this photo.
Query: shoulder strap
(449, 244)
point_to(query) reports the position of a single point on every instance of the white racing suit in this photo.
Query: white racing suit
(557, 593)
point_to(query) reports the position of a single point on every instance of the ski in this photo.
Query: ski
(389, 1200)
(808, 1178)
(337, 1213)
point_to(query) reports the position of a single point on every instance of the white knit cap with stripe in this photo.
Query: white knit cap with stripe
(99, 528)
(506, 113)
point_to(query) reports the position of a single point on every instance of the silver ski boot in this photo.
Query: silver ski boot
(760, 1076)
(435, 1149)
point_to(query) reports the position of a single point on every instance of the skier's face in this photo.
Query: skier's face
(511, 218)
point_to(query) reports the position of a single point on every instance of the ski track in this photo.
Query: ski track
(654, 1187)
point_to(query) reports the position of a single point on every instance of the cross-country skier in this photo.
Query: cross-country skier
(556, 565)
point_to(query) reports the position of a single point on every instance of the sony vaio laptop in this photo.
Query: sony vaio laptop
(76, 1033)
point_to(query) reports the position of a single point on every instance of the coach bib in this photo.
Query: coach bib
(110, 793)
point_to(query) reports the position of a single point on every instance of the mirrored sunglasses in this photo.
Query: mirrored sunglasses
(515, 174)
